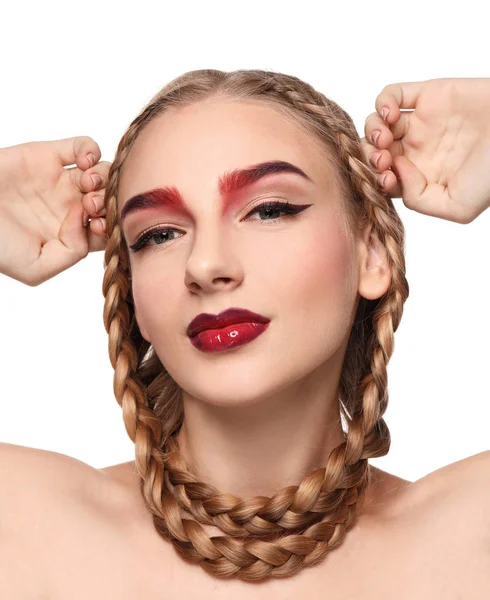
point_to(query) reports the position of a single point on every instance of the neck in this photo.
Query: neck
(258, 447)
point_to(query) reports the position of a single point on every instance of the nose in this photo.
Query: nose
(212, 265)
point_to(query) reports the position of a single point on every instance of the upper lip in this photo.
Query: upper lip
(227, 317)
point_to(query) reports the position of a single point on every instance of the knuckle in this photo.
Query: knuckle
(103, 167)
(89, 141)
(86, 143)
(366, 145)
(388, 88)
(371, 120)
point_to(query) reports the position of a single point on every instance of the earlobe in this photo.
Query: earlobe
(374, 270)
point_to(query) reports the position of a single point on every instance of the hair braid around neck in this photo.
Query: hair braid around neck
(296, 528)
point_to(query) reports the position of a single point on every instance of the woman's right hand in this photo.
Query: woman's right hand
(42, 206)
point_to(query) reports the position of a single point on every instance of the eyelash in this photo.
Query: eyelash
(291, 211)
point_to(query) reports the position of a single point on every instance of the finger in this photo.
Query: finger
(84, 181)
(76, 150)
(388, 133)
(433, 200)
(94, 203)
(390, 185)
(395, 147)
(387, 180)
(97, 236)
(377, 131)
(379, 159)
(412, 184)
(396, 96)
(67, 249)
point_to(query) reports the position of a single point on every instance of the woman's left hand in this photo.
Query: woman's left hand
(440, 150)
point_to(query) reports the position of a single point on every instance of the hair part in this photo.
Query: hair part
(299, 525)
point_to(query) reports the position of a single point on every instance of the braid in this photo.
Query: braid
(264, 537)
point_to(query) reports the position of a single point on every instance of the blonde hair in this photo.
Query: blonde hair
(304, 522)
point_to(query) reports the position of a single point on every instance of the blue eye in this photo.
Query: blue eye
(271, 207)
(266, 208)
(143, 240)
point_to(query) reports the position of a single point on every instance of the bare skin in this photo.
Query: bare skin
(90, 536)
(70, 531)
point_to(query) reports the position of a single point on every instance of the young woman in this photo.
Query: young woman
(254, 279)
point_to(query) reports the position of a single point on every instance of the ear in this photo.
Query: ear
(374, 270)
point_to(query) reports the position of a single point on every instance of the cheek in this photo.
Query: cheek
(155, 299)
(314, 289)
(307, 276)
(314, 271)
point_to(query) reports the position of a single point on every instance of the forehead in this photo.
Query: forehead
(190, 147)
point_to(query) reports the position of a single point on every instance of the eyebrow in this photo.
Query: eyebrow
(228, 184)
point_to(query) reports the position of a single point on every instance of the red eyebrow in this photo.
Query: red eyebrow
(170, 198)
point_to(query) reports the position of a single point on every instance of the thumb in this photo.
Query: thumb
(71, 245)
(411, 180)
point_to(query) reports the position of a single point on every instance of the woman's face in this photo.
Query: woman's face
(300, 272)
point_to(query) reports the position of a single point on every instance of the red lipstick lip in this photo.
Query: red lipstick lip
(231, 316)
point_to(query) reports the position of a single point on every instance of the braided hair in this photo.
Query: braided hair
(263, 537)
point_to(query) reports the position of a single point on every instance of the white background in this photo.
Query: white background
(88, 69)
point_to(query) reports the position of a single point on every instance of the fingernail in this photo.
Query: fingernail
(103, 223)
(382, 180)
(91, 159)
(374, 158)
(97, 179)
(375, 135)
(385, 111)
(98, 203)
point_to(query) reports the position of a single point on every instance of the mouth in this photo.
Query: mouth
(231, 316)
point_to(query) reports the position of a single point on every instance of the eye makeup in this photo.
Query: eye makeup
(229, 185)
(289, 210)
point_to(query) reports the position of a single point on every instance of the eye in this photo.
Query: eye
(266, 208)
(155, 233)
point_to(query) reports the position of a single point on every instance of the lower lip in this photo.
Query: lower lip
(233, 336)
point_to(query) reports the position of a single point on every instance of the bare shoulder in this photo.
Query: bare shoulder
(466, 478)
(54, 478)
(60, 512)
(451, 505)
(458, 488)
(39, 492)
(36, 480)
(45, 468)
(465, 485)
